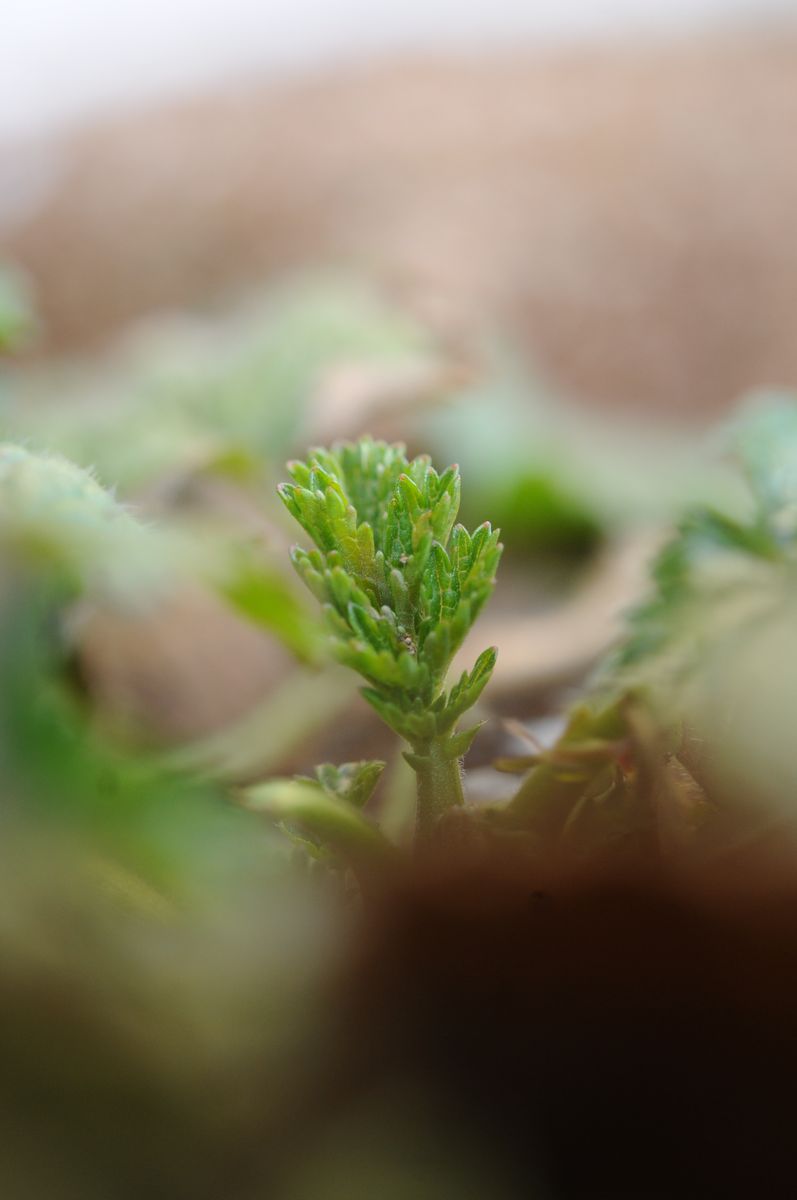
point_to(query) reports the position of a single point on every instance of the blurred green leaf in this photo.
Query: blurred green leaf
(17, 314)
(262, 594)
(226, 393)
(335, 821)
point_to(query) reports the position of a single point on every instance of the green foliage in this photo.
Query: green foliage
(170, 830)
(540, 515)
(720, 571)
(400, 583)
(581, 783)
(764, 440)
(63, 537)
(260, 593)
(54, 513)
(558, 476)
(398, 598)
(17, 320)
(230, 394)
(691, 712)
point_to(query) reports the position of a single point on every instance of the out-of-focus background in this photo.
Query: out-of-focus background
(549, 240)
(611, 184)
(63, 61)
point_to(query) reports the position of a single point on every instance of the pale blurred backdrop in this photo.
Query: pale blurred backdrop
(610, 186)
(65, 59)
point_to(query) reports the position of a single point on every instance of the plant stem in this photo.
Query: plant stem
(439, 784)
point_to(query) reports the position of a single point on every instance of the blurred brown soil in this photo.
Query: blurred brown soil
(629, 213)
(180, 671)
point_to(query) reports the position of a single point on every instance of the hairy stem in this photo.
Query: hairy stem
(439, 784)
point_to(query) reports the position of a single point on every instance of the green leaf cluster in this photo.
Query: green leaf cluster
(691, 714)
(721, 571)
(400, 582)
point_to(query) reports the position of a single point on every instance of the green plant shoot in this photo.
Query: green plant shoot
(401, 585)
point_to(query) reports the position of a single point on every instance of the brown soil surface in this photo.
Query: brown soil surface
(629, 213)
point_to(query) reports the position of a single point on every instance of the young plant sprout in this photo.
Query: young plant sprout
(401, 586)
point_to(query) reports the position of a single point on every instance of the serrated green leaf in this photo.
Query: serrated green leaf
(259, 592)
(418, 762)
(467, 691)
(460, 743)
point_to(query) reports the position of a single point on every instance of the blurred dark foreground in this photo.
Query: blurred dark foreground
(479, 1027)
